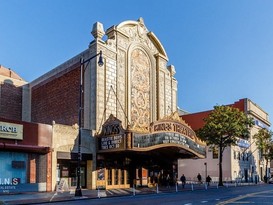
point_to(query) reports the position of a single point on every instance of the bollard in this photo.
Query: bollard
(157, 188)
(217, 185)
(176, 188)
(134, 191)
(98, 192)
(192, 186)
(206, 186)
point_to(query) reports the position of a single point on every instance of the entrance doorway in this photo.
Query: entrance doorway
(112, 178)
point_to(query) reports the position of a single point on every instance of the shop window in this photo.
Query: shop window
(101, 174)
(128, 177)
(122, 177)
(234, 154)
(116, 177)
(109, 181)
(215, 153)
(18, 164)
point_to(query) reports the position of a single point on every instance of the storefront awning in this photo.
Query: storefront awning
(24, 148)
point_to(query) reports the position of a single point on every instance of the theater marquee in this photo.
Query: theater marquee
(112, 137)
(166, 132)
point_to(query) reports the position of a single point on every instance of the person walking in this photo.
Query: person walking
(208, 180)
(183, 180)
(199, 178)
(168, 180)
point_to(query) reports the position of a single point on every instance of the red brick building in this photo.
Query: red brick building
(25, 148)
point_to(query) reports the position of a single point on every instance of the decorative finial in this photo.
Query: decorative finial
(98, 31)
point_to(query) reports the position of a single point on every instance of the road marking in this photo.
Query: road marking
(234, 200)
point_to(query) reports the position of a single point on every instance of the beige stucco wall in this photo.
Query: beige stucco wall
(65, 139)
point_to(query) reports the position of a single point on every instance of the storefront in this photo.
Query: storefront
(25, 157)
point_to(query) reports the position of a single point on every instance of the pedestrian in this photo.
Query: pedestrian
(199, 178)
(168, 180)
(208, 180)
(183, 180)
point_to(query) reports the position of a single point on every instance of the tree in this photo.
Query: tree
(223, 127)
(265, 144)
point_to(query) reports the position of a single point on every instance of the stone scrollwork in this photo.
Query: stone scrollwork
(140, 90)
(138, 33)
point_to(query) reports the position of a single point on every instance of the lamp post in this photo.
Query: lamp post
(206, 169)
(78, 191)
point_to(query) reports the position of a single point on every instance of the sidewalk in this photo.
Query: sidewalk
(50, 197)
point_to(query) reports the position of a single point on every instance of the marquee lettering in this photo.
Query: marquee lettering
(173, 127)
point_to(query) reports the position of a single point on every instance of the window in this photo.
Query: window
(234, 155)
(215, 153)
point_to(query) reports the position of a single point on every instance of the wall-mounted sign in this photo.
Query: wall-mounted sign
(149, 140)
(112, 136)
(243, 143)
(110, 143)
(11, 131)
(173, 127)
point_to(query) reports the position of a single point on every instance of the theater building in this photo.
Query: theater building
(132, 132)
(243, 162)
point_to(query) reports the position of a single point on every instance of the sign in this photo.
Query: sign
(243, 143)
(149, 140)
(173, 127)
(112, 137)
(7, 184)
(11, 131)
(115, 142)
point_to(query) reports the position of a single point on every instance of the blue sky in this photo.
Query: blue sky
(222, 50)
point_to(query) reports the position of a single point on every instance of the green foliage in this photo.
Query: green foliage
(264, 143)
(224, 126)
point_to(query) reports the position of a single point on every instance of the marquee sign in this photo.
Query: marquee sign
(115, 142)
(112, 137)
(173, 127)
(149, 140)
(11, 131)
(171, 130)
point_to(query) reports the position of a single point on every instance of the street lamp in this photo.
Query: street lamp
(206, 169)
(78, 191)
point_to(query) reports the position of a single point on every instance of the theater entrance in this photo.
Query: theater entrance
(128, 169)
(126, 158)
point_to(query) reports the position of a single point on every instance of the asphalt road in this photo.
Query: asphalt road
(260, 194)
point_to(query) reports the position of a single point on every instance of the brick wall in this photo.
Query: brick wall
(57, 99)
(10, 101)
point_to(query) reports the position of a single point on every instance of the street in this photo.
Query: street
(260, 194)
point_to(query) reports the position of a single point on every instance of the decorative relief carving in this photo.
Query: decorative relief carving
(111, 43)
(161, 97)
(138, 33)
(123, 42)
(121, 85)
(162, 64)
(140, 90)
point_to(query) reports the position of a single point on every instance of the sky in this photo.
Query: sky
(222, 50)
